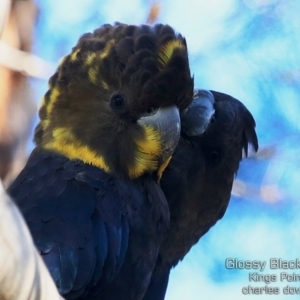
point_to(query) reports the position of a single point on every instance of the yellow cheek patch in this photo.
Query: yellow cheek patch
(167, 51)
(65, 143)
(143, 163)
(147, 153)
(151, 144)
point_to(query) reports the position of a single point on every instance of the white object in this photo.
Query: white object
(23, 275)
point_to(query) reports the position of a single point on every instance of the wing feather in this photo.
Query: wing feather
(75, 218)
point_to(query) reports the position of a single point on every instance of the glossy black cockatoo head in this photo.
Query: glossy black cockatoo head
(114, 101)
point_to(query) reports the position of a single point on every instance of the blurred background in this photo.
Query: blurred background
(249, 49)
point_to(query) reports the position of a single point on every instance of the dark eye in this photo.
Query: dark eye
(117, 103)
(215, 156)
(150, 110)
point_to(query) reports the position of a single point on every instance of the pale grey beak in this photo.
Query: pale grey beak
(166, 121)
(196, 118)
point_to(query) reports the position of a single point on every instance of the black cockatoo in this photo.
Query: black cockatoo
(216, 129)
(109, 124)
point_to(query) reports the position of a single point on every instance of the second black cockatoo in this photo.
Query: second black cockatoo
(109, 124)
(216, 129)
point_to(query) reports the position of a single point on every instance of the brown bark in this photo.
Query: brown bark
(16, 105)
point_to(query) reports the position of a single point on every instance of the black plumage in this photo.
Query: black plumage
(89, 191)
(83, 224)
(198, 181)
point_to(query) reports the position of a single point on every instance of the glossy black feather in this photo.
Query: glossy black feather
(98, 234)
(198, 182)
